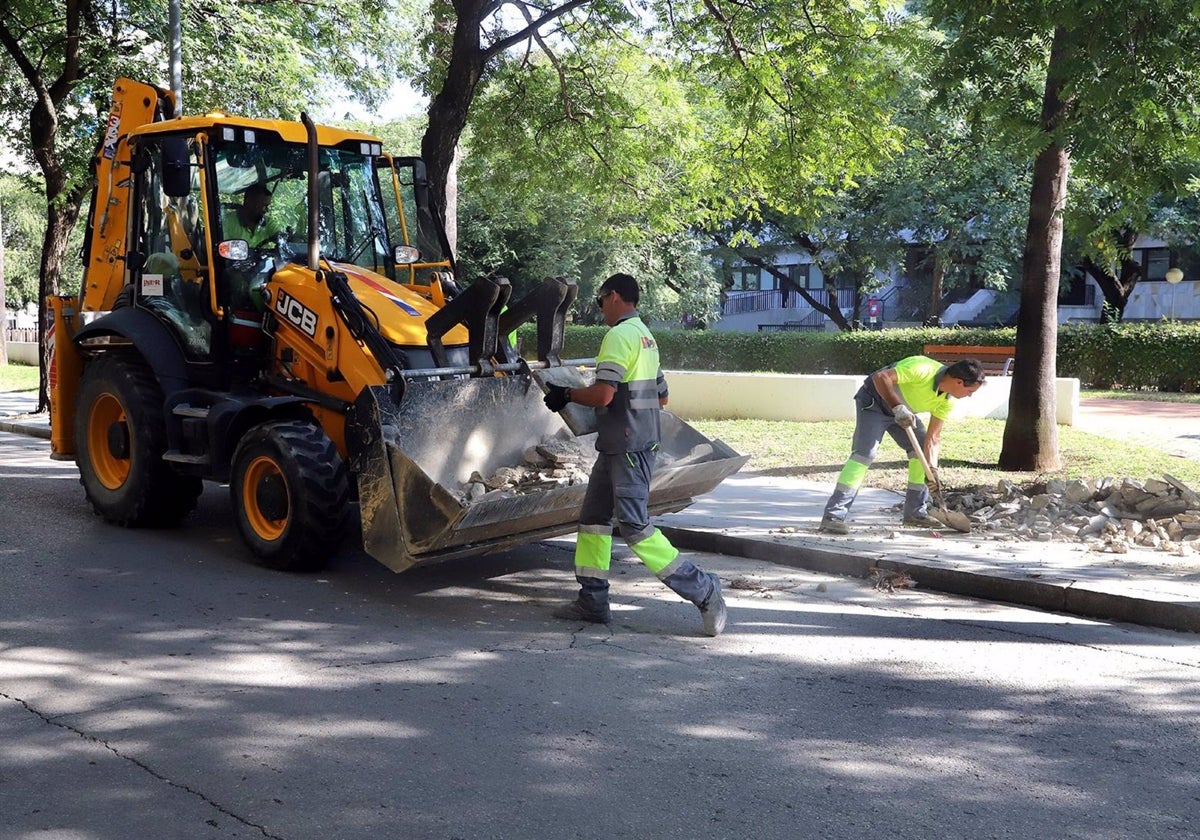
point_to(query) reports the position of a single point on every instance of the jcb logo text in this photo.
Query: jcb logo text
(297, 313)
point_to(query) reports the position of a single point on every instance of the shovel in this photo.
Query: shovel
(955, 519)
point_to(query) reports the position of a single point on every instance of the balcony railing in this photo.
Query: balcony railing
(767, 300)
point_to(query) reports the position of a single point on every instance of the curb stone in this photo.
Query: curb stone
(1066, 596)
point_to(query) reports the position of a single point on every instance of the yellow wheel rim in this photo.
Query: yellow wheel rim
(264, 476)
(110, 468)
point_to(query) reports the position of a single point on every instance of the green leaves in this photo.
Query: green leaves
(22, 223)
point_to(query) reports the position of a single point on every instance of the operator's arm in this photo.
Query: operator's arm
(933, 440)
(888, 386)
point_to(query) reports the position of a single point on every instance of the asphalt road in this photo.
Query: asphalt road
(153, 684)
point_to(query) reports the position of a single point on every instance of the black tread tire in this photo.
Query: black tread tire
(300, 456)
(152, 494)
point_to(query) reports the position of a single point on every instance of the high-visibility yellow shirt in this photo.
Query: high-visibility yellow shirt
(918, 378)
(628, 360)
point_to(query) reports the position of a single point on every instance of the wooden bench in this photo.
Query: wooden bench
(995, 360)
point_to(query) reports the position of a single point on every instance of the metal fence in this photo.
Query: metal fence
(813, 321)
(21, 334)
(767, 300)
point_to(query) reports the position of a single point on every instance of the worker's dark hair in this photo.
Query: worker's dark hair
(969, 371)
(624, 285)
(257, 187)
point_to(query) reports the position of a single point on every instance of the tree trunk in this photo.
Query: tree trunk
(3, 299)
(450, 222)
(449, 107)
(935, 289)
(60, 221)
(62, 205)
(1116, 290)
(1031, 432)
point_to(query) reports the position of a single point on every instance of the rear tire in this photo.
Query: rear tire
(290, 494)
(120, 438)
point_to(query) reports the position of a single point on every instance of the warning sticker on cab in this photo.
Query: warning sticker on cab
(152, 285)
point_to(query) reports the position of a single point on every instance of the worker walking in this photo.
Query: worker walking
(889, 401)
(628, 394)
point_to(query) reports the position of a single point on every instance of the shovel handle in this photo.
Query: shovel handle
(929, 470)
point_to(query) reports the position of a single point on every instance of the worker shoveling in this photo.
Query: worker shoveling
(951, 518)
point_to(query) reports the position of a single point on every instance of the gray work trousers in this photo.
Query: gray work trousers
(871, 421)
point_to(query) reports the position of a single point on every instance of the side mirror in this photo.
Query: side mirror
(176, 174)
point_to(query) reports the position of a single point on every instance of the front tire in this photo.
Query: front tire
(120, 438)
(290, 494)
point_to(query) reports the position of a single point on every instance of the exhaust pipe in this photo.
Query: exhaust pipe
(314, 210)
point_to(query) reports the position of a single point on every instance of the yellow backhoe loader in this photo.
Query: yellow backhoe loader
(272, 305)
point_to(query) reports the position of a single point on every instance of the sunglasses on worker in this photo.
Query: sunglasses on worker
(600, 299)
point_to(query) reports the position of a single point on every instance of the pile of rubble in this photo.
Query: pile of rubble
(554, 462)
(1110, 515)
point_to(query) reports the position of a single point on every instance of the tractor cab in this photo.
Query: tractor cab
(214, 213)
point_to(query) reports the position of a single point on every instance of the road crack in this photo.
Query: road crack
(138, 763)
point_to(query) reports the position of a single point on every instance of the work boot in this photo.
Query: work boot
(834, 526)
(577, 610)
(713, 611)
(922, 519)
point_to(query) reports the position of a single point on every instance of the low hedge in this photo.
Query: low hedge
(1143, 356)
(1158, 356)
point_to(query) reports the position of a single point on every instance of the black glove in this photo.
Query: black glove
(557, 397)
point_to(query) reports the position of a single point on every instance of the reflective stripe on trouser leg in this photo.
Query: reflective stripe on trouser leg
(869, 426)
(916, 495)
(593, 545)
(849, 481)
(593, 551)
(631, 475)
(593, 554)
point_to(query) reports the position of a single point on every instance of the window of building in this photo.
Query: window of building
(1154, 262)
(745, 279)
(807, 276)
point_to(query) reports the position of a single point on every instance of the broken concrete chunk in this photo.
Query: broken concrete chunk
(1184, 491)
(557, 461)
(1079, 491)
(1156, 486)
(1095, 525)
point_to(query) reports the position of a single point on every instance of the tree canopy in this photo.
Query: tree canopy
(1074, 86)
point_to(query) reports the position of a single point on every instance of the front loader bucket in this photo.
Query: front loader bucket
(413, 460)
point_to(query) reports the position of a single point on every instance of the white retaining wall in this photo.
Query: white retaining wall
(806, 398)
(778, 396)
(22, 352)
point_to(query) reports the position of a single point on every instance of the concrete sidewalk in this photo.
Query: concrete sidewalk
(771, 518)
(16, 414)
